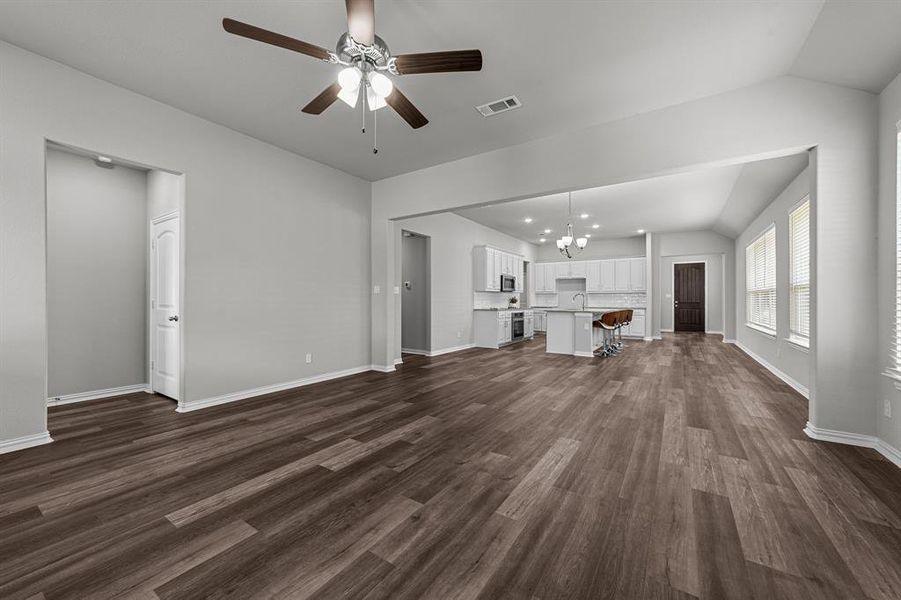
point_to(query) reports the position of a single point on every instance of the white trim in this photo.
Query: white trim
(169, 216)
(184, 406)
(801, 389)
(451, 349)
(894, 376)
(414, 351)
(26, 441)
(673, 280)
(728, 341)
(890, 452)
(649, 338)
(798, 344)
(666, 331)
(398, 361)
(581, 354)
(97, 394)
(380, 368)
(714, 333)
(854, 439)
(770, 333)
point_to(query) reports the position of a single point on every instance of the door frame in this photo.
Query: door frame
(175, 214)
(673, 280)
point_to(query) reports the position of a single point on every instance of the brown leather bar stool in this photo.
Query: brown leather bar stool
(607, 324)
(625, 321)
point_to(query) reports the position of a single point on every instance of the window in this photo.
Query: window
(760, 260)
(896, 347)
(799, 273)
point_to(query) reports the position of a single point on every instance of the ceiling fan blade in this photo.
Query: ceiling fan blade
(361, 20)
(276, 39)
(405, 109)
(325, 99)
(439, 62)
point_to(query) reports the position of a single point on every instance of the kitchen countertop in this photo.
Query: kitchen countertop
(500, 309)
(588, 309)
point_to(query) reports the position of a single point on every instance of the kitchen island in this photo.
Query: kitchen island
(569, 330)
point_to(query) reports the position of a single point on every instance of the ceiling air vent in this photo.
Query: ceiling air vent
(499, 106)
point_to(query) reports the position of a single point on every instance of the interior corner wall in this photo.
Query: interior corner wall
(773, 118)
(277, 246)
(718, 251)
(96, 275)
(777, 352)
(888, 428)
(451, 240)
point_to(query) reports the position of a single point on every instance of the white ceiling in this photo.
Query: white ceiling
(725, 199)
(572, 64)
(854, 43)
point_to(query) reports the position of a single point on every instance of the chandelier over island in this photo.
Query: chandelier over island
(565, 243)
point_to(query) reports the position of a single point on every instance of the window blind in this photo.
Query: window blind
(760, 259)
(896, 348)
(799, 271)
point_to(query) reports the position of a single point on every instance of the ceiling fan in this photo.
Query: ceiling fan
(367, 63)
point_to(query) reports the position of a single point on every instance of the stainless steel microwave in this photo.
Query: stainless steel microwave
(508, 283)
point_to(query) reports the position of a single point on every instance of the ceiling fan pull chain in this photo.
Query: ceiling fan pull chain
(375, 132)
(363, 106)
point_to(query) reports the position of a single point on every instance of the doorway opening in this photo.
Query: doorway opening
(415, 293)
(690, 296)
(114, 261)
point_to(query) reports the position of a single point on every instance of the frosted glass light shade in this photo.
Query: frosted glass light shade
(581, 242)
(374, 101)
(560, 244)
(380, 83)
(349, 78)
(349, 97)
(567, 240)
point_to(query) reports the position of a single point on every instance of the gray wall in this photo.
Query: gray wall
(785, 356)
(165, 192)
(451, 240)
(715, 289)
(888, 429)
(96, 275)
(596, 249)
(255, 302)
(672, 247)
(415, 301)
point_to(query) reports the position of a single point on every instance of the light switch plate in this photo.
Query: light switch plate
(309, 358)
(887, 408)
(396, 290)
(376, 289)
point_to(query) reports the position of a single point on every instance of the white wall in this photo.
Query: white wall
(778, 352)
(596, 249)
(165, 193)
(415, 299)
(96, 275)
(452, 239)
(255, 215)
(718, 250)
(773, 118)
(888, 429)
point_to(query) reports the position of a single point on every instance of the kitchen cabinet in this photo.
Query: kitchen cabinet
(622, 273)
(607, 276)
(545, 278)
(593, 276)
(561, 270)
(528, 324)
(494, 328)
(578, 269)
(488, 264)
(638, 274)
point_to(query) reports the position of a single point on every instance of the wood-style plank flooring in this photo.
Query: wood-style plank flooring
(676, 470)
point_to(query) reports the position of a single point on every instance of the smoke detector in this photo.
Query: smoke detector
(499, 106)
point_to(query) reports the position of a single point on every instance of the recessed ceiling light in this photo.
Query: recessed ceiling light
(547, 230)
(528, 219)
(105, 159)
(595, 226)
(542, 240)
(641, 231)
(587, 235)
(583, 216)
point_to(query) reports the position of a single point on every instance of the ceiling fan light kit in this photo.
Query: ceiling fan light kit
(366, 60)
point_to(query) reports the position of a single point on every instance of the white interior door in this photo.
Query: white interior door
(164, 307)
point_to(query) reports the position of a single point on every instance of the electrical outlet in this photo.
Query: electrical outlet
(309, 358)
(396, 290)
(887, 408)
(459, 334)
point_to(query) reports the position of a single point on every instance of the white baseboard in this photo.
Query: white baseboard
(666, 331)
(26, 441)
(584, 354)
(714, 333)
(188, 406)
(854, 439)
(97, 394)
(414, 351)
(379, 368)
(728, 340)
(452, 349)
(650, 338)
(398, 361)
(801, 389)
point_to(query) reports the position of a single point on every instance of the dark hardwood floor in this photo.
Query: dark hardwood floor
(676, 470)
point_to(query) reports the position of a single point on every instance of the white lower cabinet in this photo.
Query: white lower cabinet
(493, 328)
(638, 327)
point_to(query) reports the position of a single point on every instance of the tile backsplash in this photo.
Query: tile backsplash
(494, 299)
(603, 300)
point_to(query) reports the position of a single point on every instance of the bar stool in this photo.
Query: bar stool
(607, 324)
(625, 321)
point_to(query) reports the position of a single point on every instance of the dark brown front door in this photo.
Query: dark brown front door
(688, 297)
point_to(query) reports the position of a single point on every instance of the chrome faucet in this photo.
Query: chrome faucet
(583, 298)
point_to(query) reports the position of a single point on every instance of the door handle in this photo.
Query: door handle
(173, 318)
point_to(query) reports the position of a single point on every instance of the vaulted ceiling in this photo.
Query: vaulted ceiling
(571, 63)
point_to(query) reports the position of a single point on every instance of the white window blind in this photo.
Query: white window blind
(896, 348)
(799, 272)
(760, 258)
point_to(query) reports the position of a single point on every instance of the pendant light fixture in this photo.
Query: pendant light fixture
(565, 243)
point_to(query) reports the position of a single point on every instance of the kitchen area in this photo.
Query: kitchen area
(561, 300)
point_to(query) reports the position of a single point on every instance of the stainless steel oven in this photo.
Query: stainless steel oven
(517, 326)
(508, 283)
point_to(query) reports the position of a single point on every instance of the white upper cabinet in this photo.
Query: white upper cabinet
(638, 274)
(578, 269)
(593, 276)
(623, 274)
(488, 264)
(607, 276)
(561, 269)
